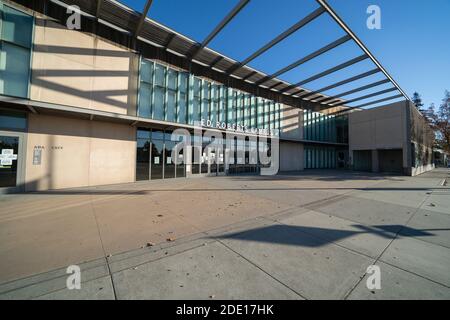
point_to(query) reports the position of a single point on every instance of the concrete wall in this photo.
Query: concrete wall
(78, 153)
(422, 137)
(78, 69)
(291, 156)
(378, 128)
(394, 126)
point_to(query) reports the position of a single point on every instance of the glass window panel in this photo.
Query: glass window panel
(253, 112)
(196, 110)
(12, 120)
(143, 134)
(197, 86)
(172, 79)
(239, 108)
(171, 104)
(266, 114)
(260, 123)
(222, 104)
(181, 116)
(145, 98)
(16, 26)
(146, 71)
(159, 75)
(158, 106)
(184, 82)
(14, 66)
(205, 109)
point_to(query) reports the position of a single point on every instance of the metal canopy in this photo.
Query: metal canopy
(313, 15)
(142, 18)
(375, 84)
(119, 16)
(220, 26)
(327, 72)
(301, 61)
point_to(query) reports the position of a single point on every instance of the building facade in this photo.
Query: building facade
(79, 110)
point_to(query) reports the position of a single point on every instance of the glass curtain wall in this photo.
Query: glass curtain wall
(325, 128)
(16, 34)
(316, 157)
(178, 97)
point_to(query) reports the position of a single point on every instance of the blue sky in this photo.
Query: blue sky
(413, 43)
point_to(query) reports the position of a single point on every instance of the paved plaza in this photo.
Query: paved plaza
(309, 235)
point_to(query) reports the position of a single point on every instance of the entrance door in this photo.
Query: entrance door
(169, 165)
(157, 159)
(9, 151)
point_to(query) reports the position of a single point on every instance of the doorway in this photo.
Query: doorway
(11, 161)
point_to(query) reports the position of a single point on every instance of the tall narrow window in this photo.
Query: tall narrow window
(182, 97)
(195, 115)
(205, 100)
(15, 50)
(159, 92)
(172, 79)
(214, 103)
(145, 89)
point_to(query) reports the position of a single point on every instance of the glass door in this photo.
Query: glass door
(157, 159)
(9, 150)
(169, 165)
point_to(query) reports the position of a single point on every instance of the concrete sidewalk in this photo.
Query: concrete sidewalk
(305, 236)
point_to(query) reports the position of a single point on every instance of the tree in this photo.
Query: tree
(417, 99)
(440, 122)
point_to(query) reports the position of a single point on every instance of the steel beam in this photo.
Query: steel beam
(251, 74)
(99, 8)
(335, 97)
(380, 100)
(142, 18)
(340, 83)
(367, 104)
(219, 27)
(366, 96)
(316, 13)
(305, 59)
(327, 72)
(342, 24)
(216, 61)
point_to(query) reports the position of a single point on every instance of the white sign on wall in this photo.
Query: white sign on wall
(7, 156)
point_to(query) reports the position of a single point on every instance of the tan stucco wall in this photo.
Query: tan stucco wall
(291, 123)
(78, 69)
(291, 156)
(78, 153)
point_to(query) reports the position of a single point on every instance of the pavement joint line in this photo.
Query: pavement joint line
(160, 258)
(192, 237)
(103, 247)
(389, 244)
(264, 271)
(416, 274)
(201, 235)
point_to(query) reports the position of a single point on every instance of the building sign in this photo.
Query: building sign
(7, 156)
(236, 128)
(37, 156)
